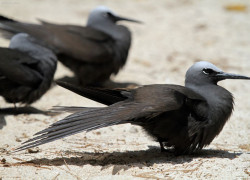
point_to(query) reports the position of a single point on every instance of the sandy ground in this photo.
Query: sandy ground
(175, 34)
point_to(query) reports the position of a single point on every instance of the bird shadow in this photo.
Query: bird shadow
(25, 110)
(2, 121)
(139, 158)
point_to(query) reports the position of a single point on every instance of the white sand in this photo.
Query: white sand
(175, 34)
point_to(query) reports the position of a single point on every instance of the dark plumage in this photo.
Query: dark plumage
(26, 70)
(93, 52)
(186, 118)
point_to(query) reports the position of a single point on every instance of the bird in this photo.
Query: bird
(26, 70)
(183, 119)
(93, 53)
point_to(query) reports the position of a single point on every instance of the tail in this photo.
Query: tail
(86, 120)
(3, 18)
(101, 95)
(9, 27)
(7, 32)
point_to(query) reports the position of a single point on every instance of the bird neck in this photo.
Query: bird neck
(110, 28)
(220, 107)
(219, 100)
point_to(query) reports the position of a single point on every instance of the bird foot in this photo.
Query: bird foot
(162, 147)
(165, 150)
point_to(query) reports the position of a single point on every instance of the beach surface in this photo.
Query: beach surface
(175, 34)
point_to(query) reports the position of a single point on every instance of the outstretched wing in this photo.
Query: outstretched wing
(144, 103)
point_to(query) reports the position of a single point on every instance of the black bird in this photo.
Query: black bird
(26, 70)
(93, 53)
(186, 118)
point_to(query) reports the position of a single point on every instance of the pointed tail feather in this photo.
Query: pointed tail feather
(10, 28)
(101, 95)
(7, 31)
(3, 18)
(7, 34)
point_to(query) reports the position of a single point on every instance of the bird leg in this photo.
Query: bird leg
(162, 146)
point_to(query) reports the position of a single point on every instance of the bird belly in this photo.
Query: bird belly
(171, 128)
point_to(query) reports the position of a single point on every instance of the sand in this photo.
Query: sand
(174, 36)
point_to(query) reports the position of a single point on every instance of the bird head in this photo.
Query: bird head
(204, 72)
(104, 16)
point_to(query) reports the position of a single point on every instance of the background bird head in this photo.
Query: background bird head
(102, 18)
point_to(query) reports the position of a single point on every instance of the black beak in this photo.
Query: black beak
(223, 75)
(116, 18)
(119, 18)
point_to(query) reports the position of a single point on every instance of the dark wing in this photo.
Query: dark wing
(81, 43)
(19, 68)
(161, 98)
(145, 102)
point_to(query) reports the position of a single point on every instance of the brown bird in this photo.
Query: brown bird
(186, 118)
(93, 53)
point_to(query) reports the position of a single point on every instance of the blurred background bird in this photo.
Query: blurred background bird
(93, 52)
(26, 70)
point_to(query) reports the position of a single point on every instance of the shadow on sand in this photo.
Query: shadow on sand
(2, 121)
(130, 158)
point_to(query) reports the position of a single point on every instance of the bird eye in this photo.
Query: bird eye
(107, 14)
(208, 71)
